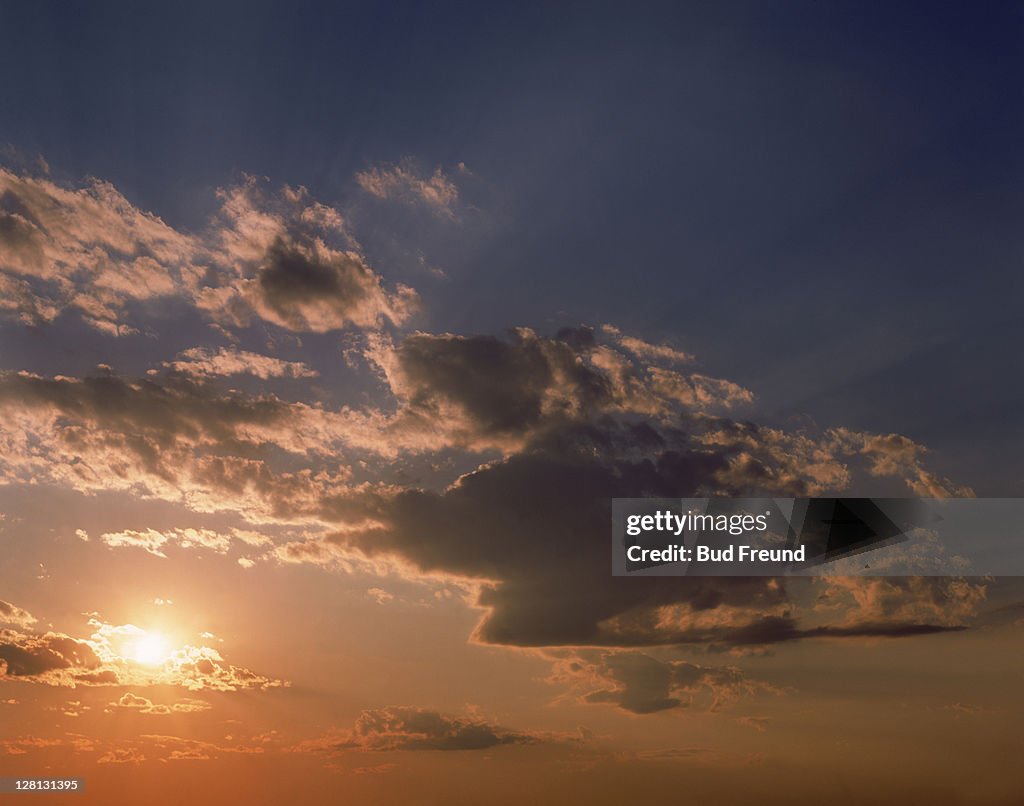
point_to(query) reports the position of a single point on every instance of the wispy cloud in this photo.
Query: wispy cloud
(204, 362)
(403, 182)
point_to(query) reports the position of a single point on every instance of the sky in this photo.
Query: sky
(328, 332)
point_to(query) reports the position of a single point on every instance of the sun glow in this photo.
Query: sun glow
(150, 649)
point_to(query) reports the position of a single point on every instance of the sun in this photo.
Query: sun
(150, 649)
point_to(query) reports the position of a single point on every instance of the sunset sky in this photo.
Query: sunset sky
(329, 332)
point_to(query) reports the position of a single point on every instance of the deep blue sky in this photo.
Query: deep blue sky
(823, 201)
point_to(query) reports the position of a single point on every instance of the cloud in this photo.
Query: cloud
(304, 285)
(525, 527)
(277, 256)
(641, 684)
(292, 262)
(18, 300)
(380, 596)
(407, 728)
(153, 541)
(105, 659)
(404, 183)
(202, 362)
(581, 424)
(12, 614)
(85, 248)
(499, 390)
(134, 702)
(24, 745)
(894, 454)
(569, 421)
(699, 391)
(188, 441)
(186, 749)
(170, 438)
(646, 350)
(376, 769)
(485, 392)
(136, 750)
(72, 708)
(941, 601)
(121, 755)
(35, 656)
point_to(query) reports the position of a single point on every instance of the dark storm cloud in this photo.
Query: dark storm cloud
(589, 426)
(503, 386)
(488, 392)
(537, 525)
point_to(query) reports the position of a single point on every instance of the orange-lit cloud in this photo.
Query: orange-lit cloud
(564, 422)
(646, 350)
(12, 614)
(134, 702)
(403, 182)
(205, 362)
(121, 655)
(264, 255)
(641, 684)
(407, 728)
(153, 541)
(179, 748)
(121, 755)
